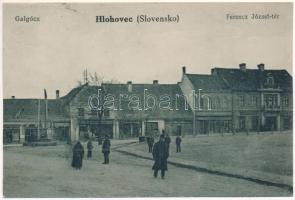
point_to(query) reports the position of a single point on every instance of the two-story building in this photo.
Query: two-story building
(262, 99)
(228, 100)
(211, 105)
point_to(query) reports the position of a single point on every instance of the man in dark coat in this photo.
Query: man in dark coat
(106, 149)
(178, 142)
(160, 155)
(167, 139)
(150, 142)
(89, 148)
(78, 154)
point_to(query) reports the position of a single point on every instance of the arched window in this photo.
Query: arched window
(225, 102)
(218, 103)
(206, 103)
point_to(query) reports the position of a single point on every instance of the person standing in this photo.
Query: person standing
(78, 155)
(148, 141)
(160, 156)
(178, 142)
(152, 140)
(89, 148)
(167, 140)
(106, 149)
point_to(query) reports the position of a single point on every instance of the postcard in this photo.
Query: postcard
(147, 100)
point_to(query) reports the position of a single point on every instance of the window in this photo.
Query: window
(254, 123)
(218, 104)
(93, 112)
(269, 80)
(287, 123)
(205, 103)
(271, 100)
(225, 102)
(254, 100)
(285, 101)
(242, 100)
(242, 123)
(106, 113)
(81, 112)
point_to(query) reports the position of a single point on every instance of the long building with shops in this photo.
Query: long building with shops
(229, 100)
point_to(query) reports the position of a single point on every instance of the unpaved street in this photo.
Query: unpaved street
(46, 172)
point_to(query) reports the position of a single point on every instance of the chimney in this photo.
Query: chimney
(13, 97)
(242, 66)
(260, 67)
(183, 70)
(155, 81)
(129, 85)
(57, 94)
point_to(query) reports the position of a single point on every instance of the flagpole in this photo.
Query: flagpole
(38, 119)
(46, 112)
(45, 115)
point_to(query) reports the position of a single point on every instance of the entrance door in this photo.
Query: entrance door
(242, 123)
(204, 127)
(151, 127)
(270, 124)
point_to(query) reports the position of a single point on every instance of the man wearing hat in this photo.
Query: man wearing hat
(106, 149)
(160, 155)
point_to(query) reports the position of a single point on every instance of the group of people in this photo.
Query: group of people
(151, 140)
(78, 152)
(160, 151)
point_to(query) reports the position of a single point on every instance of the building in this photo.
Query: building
(229, 100)
(21, 117)
(212, 111)
(262, 99)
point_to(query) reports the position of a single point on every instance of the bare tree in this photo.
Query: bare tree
(94, 80)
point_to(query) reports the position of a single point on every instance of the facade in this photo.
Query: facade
(27, 120)
(229, 100)
(212, 110)
(262, 99)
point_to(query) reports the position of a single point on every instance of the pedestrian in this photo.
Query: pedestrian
(10, 138)
(99, 139)
(150, 141)
(89, 148)
(78, 155)
(167, 139)
(160, 156)
(106, 149)
(178, 142)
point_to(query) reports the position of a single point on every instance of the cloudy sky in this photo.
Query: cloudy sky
(53, 52)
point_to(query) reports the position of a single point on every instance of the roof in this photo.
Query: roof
(158, 91)
(68, 97)
(207, 82)
(254, 79)
(27, 109)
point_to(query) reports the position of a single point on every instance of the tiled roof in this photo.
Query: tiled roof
(68, 97)
(157, 90)
(27, 109)
(253, 79)
(207, 82)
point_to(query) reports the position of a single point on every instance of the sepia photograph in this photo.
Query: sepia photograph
(147, 100)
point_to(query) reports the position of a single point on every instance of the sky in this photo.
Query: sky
(52, 53)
